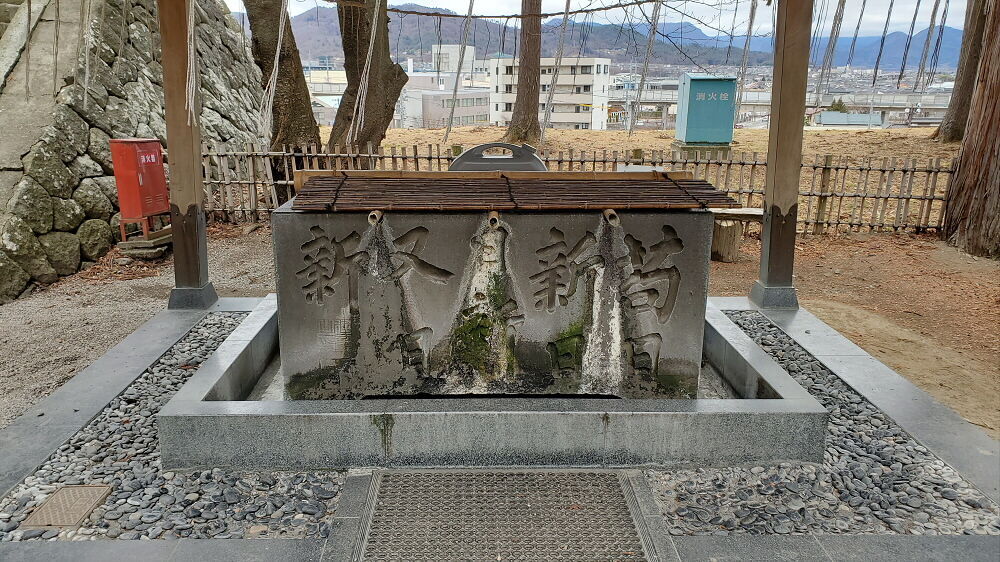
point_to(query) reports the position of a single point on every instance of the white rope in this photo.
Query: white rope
(650, 43)
(458, 75)
(921, 70)
(831, 47)
(27, 53)
(555, 73)
(358, 115)
(87, 38)
(55, 50)
(267, 104)
(191, 84)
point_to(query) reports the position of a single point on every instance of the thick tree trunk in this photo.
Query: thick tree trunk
(385, 78)
(973, 219)
(524, 127)
(293, 121)
(952, 126)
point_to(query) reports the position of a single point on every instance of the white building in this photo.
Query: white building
(445, 58)
(580, 99)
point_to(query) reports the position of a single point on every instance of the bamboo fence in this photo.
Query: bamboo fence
(836, 193)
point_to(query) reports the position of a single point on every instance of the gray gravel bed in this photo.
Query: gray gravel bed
(875, 478)
(119, 448)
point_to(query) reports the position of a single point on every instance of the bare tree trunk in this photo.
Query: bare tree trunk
(973, 219)
(293, 120)
(385, 78)
(952, 126)
(523, 127)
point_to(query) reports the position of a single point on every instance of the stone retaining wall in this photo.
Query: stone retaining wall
(7, 10)
(59, 208)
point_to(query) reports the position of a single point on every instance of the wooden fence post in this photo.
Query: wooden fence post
(824, 199)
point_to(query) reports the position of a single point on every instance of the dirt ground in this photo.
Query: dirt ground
(912, 143)
(925, 309)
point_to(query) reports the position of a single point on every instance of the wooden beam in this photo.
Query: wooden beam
(187, 213)
(774, 288)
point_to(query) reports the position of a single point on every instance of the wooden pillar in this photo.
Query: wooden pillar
(774, 288)
(187, 213)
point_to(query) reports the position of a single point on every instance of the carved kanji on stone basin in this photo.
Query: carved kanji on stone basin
(497, 304)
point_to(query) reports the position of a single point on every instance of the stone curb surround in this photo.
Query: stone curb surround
(354, 495)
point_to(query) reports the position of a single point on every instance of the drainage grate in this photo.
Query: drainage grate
(532, 515)
(67, 507)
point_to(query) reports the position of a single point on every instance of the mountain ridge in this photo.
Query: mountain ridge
(317, 32)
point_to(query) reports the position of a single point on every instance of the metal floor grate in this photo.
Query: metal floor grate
(499, 516)
(67, 507)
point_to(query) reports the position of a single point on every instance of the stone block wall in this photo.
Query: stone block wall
(7, 10)
(59, 211)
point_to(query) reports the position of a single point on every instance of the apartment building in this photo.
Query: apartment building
(580, 96)
(430, 108)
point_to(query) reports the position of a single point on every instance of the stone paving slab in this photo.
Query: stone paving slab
(731, 548)
(831, 548)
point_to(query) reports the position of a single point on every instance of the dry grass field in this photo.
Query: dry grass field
(861, 143)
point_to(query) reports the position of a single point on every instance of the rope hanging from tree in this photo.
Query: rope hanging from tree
(458, 73)
(819, 20)
(55, 48)
(27, 52)
(921, 68)
(191, 85)
(555, 72)
(635, 109)
(742, 76)
(358, 117)
(881, 46)
(857, 29)
(906, 49)
(831, 47)
(732, 31)
(267, 103)
(937, 44)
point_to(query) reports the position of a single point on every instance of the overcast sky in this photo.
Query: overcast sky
(712, 13)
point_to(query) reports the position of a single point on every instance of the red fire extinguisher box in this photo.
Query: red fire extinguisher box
(141, 181)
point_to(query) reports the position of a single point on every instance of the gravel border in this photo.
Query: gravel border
(119, 448)
(875, 477)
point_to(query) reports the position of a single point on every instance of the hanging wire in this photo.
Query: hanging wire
(906, 49)
(881, 46)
